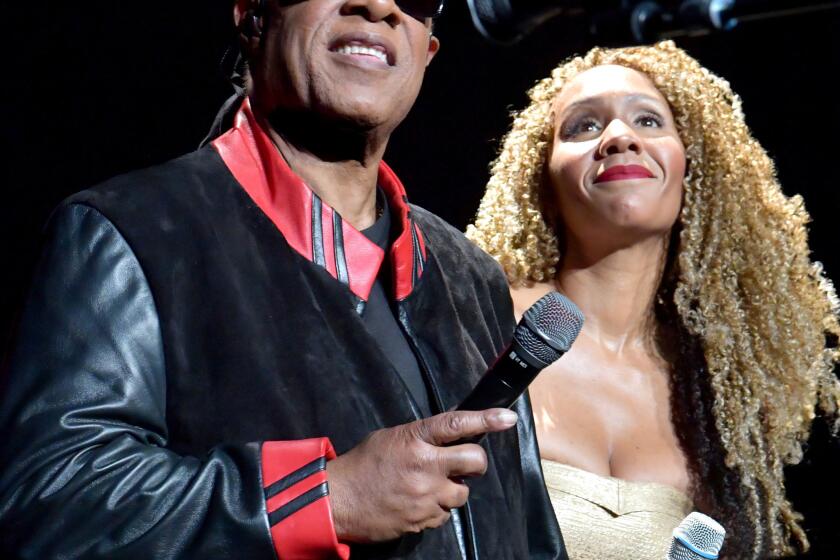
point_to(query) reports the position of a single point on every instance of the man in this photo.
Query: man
(247, 352)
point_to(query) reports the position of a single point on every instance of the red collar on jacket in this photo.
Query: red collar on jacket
(309, 225)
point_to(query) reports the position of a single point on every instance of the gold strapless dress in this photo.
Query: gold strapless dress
(606, 518)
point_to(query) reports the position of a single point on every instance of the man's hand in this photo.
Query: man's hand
(404, 480)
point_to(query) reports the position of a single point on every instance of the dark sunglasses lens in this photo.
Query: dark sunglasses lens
(421, 9)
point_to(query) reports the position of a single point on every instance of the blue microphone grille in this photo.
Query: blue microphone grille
(699, 537)
(549, 327)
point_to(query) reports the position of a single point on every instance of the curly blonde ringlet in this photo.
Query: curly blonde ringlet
(744, 285)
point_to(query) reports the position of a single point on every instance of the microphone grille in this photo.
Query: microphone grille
(492, 11)
(549, 327)
(699, 537)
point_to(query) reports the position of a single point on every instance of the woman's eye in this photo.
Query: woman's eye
(589, 126)
(649, 121)
(581, 126)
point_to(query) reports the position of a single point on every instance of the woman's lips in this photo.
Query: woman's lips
(624, 172)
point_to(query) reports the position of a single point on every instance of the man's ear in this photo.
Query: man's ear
(248, 19)
(240, 8)
(434, 47)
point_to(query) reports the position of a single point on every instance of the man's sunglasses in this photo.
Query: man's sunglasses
(421, 9)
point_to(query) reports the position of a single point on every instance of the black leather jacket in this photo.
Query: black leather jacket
(172, 330)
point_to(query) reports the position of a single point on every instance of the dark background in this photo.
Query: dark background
(98, 88)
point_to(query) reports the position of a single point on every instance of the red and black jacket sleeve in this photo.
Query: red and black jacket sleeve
(84, 467)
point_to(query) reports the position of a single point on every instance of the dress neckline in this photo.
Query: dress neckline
(618, 495)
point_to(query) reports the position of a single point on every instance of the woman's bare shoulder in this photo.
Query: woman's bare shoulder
(524, 296)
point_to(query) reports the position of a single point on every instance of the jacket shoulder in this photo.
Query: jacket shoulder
(471, 273)
(453, 248)
(178, 180)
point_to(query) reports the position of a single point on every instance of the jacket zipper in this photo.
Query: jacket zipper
(462, 517)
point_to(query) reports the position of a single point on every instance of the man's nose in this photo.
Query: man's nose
(619, 138)
(373, 10)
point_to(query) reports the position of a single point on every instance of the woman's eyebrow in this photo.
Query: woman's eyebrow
(597, 100)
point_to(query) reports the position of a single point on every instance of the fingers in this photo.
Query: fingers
(453, 426)
(453, 496)
(400, 480)
(462, 461)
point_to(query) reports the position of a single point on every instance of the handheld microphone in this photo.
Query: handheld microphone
(547, 330)
(698, 537)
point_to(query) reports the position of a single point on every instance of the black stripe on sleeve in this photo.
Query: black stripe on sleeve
(281, 513)
(290, 480)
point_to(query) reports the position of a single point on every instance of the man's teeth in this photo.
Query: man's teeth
(358, 49)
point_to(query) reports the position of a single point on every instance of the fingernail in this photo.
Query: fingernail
(507, 417)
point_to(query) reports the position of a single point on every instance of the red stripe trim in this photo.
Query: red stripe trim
(295, 490)
(402, 250)
(309, 532)
(285, 457)
(363, 260)
(257, 165)
(301, 538)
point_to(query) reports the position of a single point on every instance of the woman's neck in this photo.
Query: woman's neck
(614, 289)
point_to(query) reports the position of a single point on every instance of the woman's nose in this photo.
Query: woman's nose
(619, 138)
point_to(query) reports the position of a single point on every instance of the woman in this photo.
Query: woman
(632, 184)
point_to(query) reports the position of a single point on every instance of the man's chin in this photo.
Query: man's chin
(369, 106)
(363, 117)
(333, 132)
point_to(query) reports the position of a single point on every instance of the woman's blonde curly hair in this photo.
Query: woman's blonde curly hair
(744, 285)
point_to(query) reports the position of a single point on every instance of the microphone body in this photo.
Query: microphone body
(545, 333)
(505, 381)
